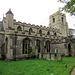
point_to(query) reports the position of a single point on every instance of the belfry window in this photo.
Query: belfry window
(53, 20)
(48, 33)
(55, 34)
(62, 19)
(40, 32)
(19, 28)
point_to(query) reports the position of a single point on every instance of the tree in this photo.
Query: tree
(69, 6)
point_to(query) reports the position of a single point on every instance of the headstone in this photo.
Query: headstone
(36, 52)
(53, 57)
(59, 58)
(46, 56)
(40, 56)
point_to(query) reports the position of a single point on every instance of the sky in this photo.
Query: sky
(34, 11)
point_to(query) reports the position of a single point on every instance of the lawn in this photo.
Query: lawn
(37, 67)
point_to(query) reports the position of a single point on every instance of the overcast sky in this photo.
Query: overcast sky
(33, 11)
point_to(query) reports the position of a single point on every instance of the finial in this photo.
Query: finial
(9, 9)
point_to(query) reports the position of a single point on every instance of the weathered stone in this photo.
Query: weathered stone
(54, 39)
(40, 56)
(46, 56)
(53, 57)
(59, 58)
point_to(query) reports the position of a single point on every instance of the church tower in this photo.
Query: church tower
(9, 19)
(58, 20)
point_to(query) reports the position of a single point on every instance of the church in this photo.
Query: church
(24, 40)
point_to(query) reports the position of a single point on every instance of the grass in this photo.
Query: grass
(37, 67)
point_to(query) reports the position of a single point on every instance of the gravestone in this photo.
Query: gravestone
(40, 56)
(46, 56)
(59, 58)
(36, 52)
(53, 57)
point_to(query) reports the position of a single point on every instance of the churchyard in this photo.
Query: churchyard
(37, 67)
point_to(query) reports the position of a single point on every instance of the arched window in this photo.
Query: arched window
(62, 19)
(38, 44)
(48, 46)
(27, 47)
(55, 34)
(19, 28)
(53, 20)
(6, 41)
(40, 32)
(48, 33)
(30, 30)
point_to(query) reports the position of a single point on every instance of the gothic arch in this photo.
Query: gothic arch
(48, 33)
(70, 49)
(38, 44)
(62, 19)
(48, 46)
(40, 32)
(4, 49)
(27, 46)
(6, 45)
(55, 34)
(30, 30)
(53, 20)
(19, 28)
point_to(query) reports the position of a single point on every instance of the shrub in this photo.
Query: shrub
(0, 56)
(29, 49)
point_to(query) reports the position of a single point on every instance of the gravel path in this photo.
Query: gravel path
(73, 71)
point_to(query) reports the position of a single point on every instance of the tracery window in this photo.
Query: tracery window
(27, 48)
(48, 46)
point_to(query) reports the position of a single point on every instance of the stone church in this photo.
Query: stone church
(24, 40)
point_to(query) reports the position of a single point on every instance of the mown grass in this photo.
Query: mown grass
(37, 67)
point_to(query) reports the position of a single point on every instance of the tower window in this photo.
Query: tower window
(62, 19)
(19, 28)
(48, 33)
(53, 20)
(55, 34)
(40, 32)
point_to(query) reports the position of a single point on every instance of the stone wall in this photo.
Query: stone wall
(1, 41)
